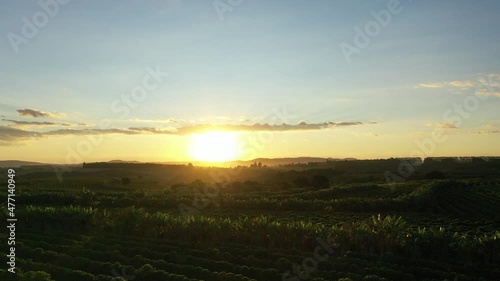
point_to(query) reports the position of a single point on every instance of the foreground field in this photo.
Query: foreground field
(415, 230)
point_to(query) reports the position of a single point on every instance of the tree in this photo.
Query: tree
(319, 181)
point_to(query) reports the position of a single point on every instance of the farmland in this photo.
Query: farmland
(182, 222)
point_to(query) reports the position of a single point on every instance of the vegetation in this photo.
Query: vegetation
(254, 228)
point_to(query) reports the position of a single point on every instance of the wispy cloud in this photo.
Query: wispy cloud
(431, 85)
(86, 132)
(167, 121)
(200, 128)
(153, 130)
(452, 84)
(37, 113)
(486, 92)
(35, 123)
(11, 134)
(302, 126)
(462, 84)
(446, 126)
(490, 126)
(486, 132)
(485, 84)
(443, 125)
(84, 124)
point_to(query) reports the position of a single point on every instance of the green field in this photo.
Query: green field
(144, 223)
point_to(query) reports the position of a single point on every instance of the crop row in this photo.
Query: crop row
(129, 254)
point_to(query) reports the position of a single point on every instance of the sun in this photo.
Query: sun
(214, 146)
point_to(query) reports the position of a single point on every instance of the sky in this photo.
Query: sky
(152, 80)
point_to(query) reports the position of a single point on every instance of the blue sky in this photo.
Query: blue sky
(264, 55)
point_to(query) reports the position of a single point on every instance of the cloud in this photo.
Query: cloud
(168, 120)
(152, 130)
(9, 134)
(243, 119)
(487, 84)
(44, 123)
(37, 113)
(12, 134)
(35, 123)
(200, 128)
(456, 84)
(302, 126)
(490, 126)
(431, 85)
(486, 132)
(444, 125)
(206, 119)
(492, 79)
(486, 92)
(461, 84)
(86, 132)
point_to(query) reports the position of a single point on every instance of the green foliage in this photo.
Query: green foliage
(36, 276)
(373, 278)
(441, 229)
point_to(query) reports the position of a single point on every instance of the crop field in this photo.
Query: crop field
(101, 227)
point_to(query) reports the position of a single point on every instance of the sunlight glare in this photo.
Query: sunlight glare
(214, 146)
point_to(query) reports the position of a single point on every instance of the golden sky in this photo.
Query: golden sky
(183, 81)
